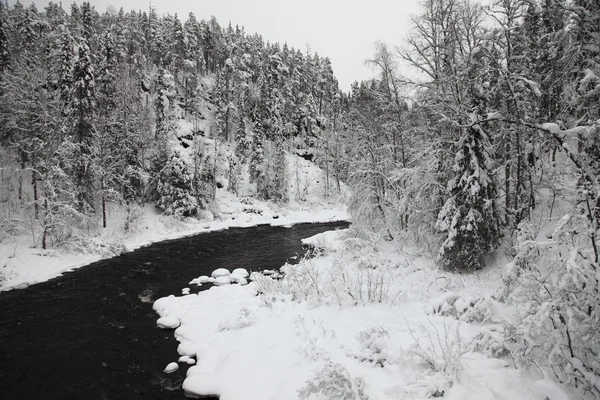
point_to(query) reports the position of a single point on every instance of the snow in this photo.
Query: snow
(171, 367)
(168, 323)
(240, 272)
(276, 338)
(187, 360)
(203, 279)
(551, 127)
(222, 280)
(546, 388)
(220, 272)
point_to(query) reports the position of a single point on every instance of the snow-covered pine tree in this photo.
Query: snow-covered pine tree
(4, 49)
(165, 126)
(469, 215)
(175, 188)
(108, 148)
(83, 130)
(64, 67)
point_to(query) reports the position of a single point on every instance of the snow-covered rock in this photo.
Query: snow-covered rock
(241, 272)
(242, 281)
(222, 280)
(171, 367)
(203, 279)
(185, 291)
(168, 323)
(220, 272)
(254, 275)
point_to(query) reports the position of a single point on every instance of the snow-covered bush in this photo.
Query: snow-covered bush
(439, 350)
(343, 276)
(553, 285)
(335, 383)
(490, 343)
(244, 319)
(373, 346)
(466, 308)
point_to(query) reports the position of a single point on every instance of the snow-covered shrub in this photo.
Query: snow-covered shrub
(466, 308)
(91, 245)
(335, 383)
(490, 343)
(244, 319)
(440, 351)
(134, 216)
(359, 281)
(553, 285)
(373, 346)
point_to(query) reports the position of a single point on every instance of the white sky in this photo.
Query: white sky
(343, 30)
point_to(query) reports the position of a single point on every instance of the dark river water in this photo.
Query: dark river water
(89, 335)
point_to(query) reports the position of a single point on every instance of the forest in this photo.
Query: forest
(489, 144)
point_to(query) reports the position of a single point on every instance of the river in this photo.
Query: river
(91, 334)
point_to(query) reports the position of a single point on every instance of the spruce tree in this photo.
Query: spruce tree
(469, 216)
(84, 130)
(175, 188)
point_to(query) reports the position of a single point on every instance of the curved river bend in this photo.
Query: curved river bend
(91, 334)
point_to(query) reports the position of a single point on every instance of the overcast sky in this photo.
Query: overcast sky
(343, 30)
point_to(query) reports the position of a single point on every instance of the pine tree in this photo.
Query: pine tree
(4, 49)
(175, 188)
(469, 216)
(165, 125)
(83, 132)
(109, 157)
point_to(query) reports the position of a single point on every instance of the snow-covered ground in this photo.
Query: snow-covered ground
(361, 320)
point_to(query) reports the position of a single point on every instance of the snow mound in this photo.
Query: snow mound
(222, 280)
(242, 281)
(187, 360)
(171, 367)
(203, 279)
(196, 281)
(168, 323)
(220, 272)
(241, 272)
(185, 291)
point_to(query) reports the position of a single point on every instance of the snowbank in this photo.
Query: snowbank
(319, 329)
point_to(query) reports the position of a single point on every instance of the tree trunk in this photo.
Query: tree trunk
(36, 206)
(507, 178)
(21, 175)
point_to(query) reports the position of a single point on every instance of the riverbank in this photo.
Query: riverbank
(22, 265)
(364, 319)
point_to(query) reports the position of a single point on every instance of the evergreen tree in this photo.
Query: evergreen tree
(469, 216)
(83, 130)
(175, 188)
